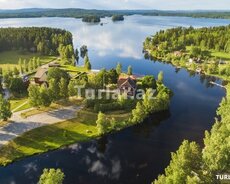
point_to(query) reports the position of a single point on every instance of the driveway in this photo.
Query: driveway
(18, 125)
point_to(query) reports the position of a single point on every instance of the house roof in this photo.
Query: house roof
(127, 81)
(41, 74)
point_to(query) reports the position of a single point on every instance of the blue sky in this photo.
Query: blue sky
(118, 4)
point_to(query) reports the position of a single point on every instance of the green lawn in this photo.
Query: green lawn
(47, 138)
(43, 139)
(10, 58)
(221, 55)
(15, 103)
(73, 69)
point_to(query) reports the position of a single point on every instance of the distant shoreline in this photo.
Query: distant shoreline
(83, 13)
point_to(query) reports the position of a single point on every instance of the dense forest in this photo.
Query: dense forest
(118, 18)
(91, 19)
(46, 41)
(216, 38)
(193, 165)
(80, 13)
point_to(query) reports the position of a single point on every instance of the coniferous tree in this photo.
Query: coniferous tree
(52, 176)
(5, 111)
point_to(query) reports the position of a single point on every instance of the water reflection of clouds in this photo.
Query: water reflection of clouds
(108, 40)
(100, 165)
(112, 170)
(75, 148)
(30, 167)
(184, 88)
(99, 168)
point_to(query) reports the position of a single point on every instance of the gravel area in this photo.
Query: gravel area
(18, 125)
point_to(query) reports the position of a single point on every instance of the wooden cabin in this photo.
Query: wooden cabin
(127, 85)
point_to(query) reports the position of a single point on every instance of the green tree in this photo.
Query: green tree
(30, 65)
(130, 70)
(63, 86)
(17, 86)
(77, 55)
(52, 176)
(72, 90)
(57, 74)
(45, 99)
(193, 66)
(185, 164)
(25, 66)
(112, 76)
(195, 51)
(150, 102)
(16, 71)
(38, 62)
(138, 114)
(149, 81)
(119, 68)
(20, 64)
(216, 155)
(54, 89)
(102, 123)
(87, 63)
(160, 77)
(88, 66)
(34, 95)
(73, 61)
(7, 79)
(35, 65)
(5, 111)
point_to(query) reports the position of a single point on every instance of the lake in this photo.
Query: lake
(136, 155)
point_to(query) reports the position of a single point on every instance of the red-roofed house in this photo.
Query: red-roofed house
(127, 85)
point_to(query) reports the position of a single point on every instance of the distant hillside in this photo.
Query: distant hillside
(80, 13)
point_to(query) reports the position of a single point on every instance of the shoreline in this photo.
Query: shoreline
(92, 137)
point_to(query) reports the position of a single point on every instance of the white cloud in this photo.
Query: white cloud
(117, 4)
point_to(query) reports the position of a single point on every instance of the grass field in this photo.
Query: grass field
(219, 55)
(17, 104)
(43, 139)
(73, 69)
(10, 58)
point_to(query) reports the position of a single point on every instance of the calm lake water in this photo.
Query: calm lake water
(139, 154)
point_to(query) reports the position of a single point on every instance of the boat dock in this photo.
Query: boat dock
(216, 84)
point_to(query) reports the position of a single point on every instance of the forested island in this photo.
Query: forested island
(207, 51)
(117, 18)
(91, 19)
(81, 13)
(203, 50)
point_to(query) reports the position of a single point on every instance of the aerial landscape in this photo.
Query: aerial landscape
(124, 92)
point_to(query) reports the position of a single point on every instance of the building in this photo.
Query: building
(40, 77)
(177, 53)
(127, 85)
